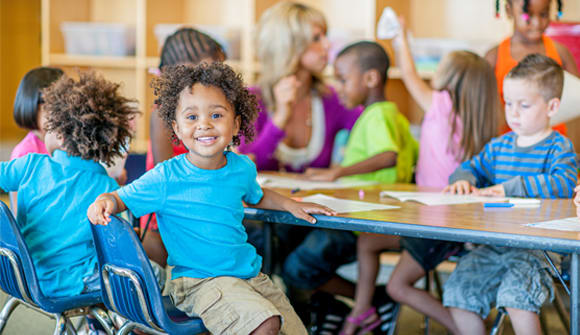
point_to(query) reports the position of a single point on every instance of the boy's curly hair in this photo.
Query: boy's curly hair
(90, 116)
(175, 79)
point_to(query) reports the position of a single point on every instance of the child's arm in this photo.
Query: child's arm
(275, 201)
(568, 62)
(383, 160)
(421, 92)
(105, 205)
(559, 182)
(469, 174)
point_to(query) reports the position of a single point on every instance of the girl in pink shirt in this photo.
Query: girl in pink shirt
(461, 111)
(29, 113)
(28, 110)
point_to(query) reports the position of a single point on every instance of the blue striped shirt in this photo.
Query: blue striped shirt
(547, 169)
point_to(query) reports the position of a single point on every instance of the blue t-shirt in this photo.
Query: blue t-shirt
(199, 213)
(54, 194)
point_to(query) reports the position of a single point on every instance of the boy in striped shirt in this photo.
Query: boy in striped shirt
(531, 161)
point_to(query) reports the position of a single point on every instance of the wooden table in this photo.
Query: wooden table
(464, 223)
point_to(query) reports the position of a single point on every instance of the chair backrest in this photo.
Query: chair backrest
(128, 284)
(12, 275)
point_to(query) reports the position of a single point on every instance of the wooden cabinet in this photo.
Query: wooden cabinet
(426, 18)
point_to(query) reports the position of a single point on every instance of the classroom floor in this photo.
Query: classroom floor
(25, 321)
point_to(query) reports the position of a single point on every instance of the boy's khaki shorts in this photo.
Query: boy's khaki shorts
(230, 305)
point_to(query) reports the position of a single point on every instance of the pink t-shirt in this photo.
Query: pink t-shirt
(436, 161)
(30, 144)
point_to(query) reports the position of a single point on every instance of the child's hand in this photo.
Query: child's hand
(301, 210)
(577, 200)
(285, 94)
(330, 174)
(99, 212)
(459, 187)
(492, 191)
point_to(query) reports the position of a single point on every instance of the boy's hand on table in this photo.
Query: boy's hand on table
(100, 211)
(492, 191)
(460, 187)
(316, 174)
(302, 210)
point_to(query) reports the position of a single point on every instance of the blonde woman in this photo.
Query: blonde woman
(298, 121)
(299, 114)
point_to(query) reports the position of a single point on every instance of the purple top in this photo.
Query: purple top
(268, 135)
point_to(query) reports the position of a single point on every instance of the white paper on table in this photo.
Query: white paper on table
(438, 198)
(567, 224)
(294, 183)
(345, 206)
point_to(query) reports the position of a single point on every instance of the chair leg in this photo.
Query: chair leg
(438, 286)
(543, 322)
(60, 327)
(498, 323)
(70, 328)
(428, 290)
(561, 310)
(268, 259)
(126, 328)
(9, 306)
(103, 318)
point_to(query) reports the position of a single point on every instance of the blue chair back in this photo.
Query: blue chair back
(12, 277)
(28, 288)
(129, 286)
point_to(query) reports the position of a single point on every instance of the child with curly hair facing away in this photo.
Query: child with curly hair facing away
(87, 122)
(198, 198)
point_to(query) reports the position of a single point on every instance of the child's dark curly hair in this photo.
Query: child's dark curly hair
(90, 116)
(175, 79)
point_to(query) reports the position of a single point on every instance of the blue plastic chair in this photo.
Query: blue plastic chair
(18, 279)
(129, 286)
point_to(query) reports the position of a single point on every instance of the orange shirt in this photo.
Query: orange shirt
(505, 63)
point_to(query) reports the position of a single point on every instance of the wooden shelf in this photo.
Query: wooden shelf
(128, 62)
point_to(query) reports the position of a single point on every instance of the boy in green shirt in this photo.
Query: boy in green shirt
(380, 147)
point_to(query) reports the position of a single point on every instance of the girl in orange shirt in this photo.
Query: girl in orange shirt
(531, 18)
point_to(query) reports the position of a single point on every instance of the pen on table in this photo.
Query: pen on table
(498, 205)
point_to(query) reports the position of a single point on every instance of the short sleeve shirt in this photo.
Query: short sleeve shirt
(380, 128)
(54, 194)
(200, 214)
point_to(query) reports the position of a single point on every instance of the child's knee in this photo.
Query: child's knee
(395, 289)
(271, 325)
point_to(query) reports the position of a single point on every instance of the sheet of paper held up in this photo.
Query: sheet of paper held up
(438, 199)
(295, 183)
(567, 224)
(345, 206)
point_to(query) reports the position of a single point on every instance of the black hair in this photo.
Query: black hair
(29, 96)
(174, 79)
(370, 56)
(527, 6)
(188, 45)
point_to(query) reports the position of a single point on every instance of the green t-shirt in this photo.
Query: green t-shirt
(381, 127)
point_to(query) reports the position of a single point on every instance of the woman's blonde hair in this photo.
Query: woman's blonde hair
(471, 83)
(283, 34)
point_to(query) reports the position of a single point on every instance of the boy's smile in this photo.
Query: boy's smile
(206, 123)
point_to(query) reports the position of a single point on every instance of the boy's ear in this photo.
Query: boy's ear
(371, 78)
(553, 107)
(175, 127)
(237, 124)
